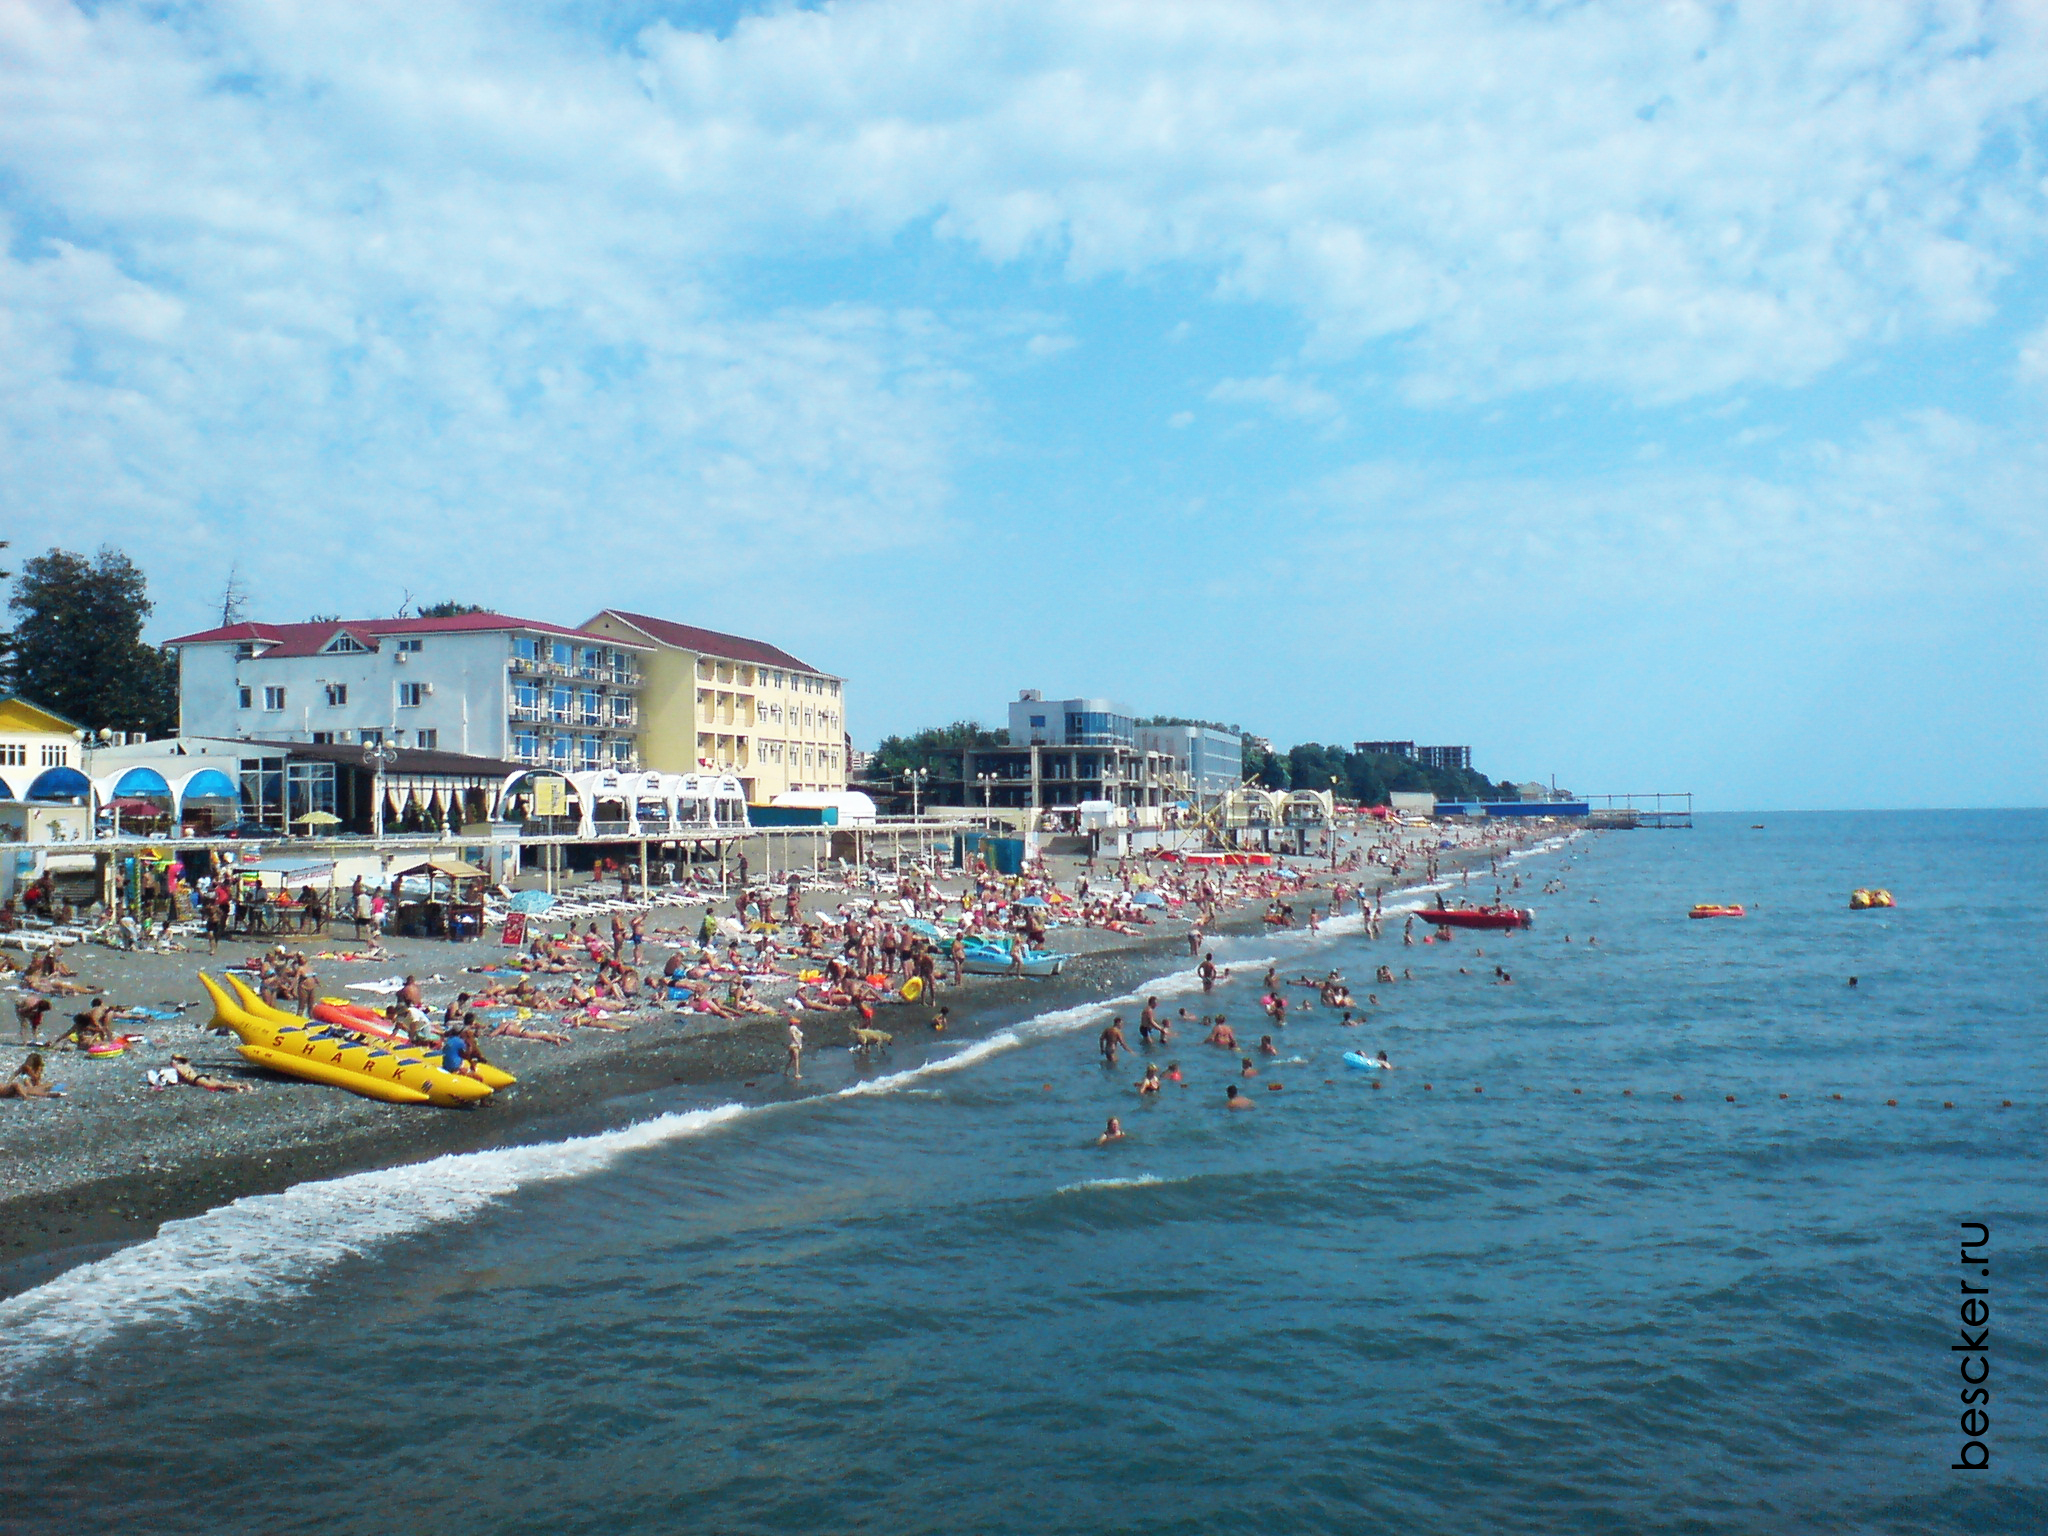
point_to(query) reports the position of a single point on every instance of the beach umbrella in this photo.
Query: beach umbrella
(532, 903)
(135, 807)
(319, 819)
(1034, 901)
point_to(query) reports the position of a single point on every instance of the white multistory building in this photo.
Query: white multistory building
(479, 684)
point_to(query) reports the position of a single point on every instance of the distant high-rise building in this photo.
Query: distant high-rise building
(1444, 757)
(1386, 748)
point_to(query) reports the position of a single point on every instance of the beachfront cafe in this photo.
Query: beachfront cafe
(439, 898)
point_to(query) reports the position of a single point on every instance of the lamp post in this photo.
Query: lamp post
(379, 757)
(917, 777)
(1333, 821)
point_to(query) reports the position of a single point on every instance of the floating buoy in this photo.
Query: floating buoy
(1578, 1090)
(1731, 1098)
(1838, 1095)
(1678, 1098)
(1892, 1103)
(1272, 1087)
(2006, 1105)
(1784, 1095)
(1375, 1082)
(1427, 1086)
(1945, 1104)
(1479, 1090)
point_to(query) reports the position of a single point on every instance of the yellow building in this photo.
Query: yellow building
(720, 703)
(32, 740)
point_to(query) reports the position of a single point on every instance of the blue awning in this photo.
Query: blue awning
(6, 790)
(60, 784)
(140, 781)
(210, 784)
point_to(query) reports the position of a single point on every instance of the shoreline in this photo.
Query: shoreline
(176, 1158)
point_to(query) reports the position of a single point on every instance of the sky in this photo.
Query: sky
(1649, 395)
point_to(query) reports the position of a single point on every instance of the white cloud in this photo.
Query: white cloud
(1180, 421)
(440, 282)
(1283, 396)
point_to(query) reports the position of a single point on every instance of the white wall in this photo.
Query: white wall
(466, 705)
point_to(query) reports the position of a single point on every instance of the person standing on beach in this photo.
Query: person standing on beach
(1207, 971)
(795, 1065)
(28, 1014)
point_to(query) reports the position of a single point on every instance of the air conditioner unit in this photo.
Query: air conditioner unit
(345, 737)
(426, 690)
(402, 657)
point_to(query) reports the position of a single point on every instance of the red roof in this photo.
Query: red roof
(709, 642)
(310, 639)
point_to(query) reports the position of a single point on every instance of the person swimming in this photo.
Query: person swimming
(1267, 1047)
(1246, 1069)
(1232, 1099)
(1149, 1083)
(1111, 1132)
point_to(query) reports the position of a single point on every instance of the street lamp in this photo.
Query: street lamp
(987, 781)
(379, 757)
(917, 777)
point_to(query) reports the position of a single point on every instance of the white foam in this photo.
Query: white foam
(1135, 1181)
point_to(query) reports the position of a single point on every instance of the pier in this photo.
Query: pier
(1627, 812)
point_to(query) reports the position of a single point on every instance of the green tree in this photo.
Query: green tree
(78, 646)
(449, 610)
(1263, 765)
(937, 748)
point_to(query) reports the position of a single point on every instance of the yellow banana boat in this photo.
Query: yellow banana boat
(253, 1005)
(321, 1055)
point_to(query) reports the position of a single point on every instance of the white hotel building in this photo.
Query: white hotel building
(480, 684)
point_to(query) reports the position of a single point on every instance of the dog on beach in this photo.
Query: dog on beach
(868, 1039)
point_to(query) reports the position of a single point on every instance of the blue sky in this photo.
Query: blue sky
(1648, 394)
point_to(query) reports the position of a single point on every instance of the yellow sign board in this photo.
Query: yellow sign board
(550, 796)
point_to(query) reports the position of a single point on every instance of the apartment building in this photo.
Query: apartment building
(726, 704)
(477, 684)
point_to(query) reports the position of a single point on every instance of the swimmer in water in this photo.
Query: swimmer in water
(1173, 1072)
(1348, 1022)
(1246, 1069)
(1267, 1047)
(1149, 1083)
(1232, 1099)
(1111, 1132)
(1382, 1059)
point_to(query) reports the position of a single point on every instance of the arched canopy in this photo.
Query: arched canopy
(6, 790)
(209, 784)
(140, 781)
(60, 784)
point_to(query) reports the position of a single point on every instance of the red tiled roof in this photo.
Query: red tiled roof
(310, 639)
(710, 642)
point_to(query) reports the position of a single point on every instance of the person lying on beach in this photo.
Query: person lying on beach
(40, 977)
(512, 1029)
(27, 1081)
(192, 1078)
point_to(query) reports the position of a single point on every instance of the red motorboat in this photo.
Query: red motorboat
(1478, 917)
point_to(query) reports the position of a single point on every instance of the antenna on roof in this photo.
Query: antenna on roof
(234, 598)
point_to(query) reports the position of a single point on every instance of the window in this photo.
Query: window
(426, 739)
(13, 754)
(409, 647)
(323, 738)
(273, 698)
(526, 745)
(370, 738)
(344, 643)
(526, 648)
(245, 650)
(56, 757)
(337, 695)
(411, 695)
(242, 697)
(562, 654)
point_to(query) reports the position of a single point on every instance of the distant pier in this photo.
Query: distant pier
(1667, 809)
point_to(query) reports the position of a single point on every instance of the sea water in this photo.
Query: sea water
(1635, 1242)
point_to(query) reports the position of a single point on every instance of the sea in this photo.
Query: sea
(1662, 1234)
